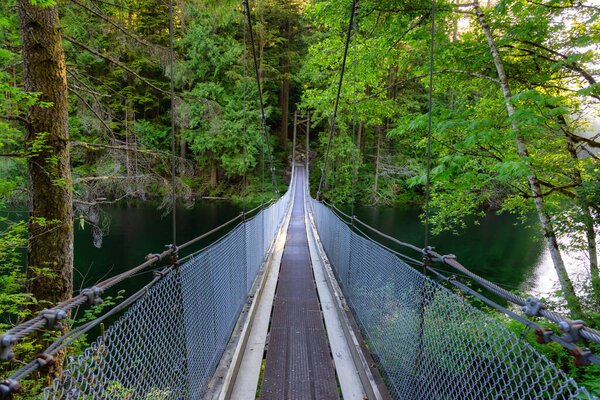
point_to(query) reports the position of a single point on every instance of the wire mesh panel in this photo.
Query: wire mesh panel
(168, 343)
(429, 343)
(131, 357)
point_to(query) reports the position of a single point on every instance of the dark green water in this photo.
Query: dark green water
(498, 249)
(137, 229)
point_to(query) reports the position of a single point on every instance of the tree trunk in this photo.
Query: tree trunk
(50, 246)
(378, 151)
(534, 185)
(284, 97)
(50, 195)
(359, 140)
(213, 177)
(590, 233)
(182, 146)
(130, 138)
(294, 137)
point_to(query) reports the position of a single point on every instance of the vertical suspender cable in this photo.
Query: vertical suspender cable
(260, 97)
(173, 198)
(354, 149)
(418, 359)
(244, 186)
(427, 189)
(337, 99)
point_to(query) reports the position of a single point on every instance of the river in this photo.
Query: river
(498, 248)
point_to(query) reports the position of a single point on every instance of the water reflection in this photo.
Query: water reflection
(499, 248)
(137, 229)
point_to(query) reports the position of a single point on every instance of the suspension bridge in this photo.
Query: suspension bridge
(300, 300)
(295, 302)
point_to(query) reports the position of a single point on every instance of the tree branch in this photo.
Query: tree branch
(91, 109)
(572, 66)
(573, 5)
(105, 178)
(560, 189)
(113, 23)
(98, 146)
(115, 62)
(99, 201)
(443, 71)
(15, 118)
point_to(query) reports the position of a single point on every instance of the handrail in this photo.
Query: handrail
(59, 312)
(574, 330)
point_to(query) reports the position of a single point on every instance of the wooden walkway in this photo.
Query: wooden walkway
(299, 364)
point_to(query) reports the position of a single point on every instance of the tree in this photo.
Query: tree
(506, 126)
(532, 178)
(50, 242)
(50, 247)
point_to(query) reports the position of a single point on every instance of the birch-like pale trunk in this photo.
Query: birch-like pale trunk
(590, 232)
(532, 179)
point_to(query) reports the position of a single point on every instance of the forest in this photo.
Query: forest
(86, 119)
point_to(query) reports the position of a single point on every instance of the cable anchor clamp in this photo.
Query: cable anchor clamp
(427, 260)
(581, 357)
(45, 360)
(448, 257)
(151, 256)
(7, 341)
(174, 256)
(571, 329)
(543, 335)
(9, 386)
(93, 294)
(156, 273)
(52, 316)
(532, 306)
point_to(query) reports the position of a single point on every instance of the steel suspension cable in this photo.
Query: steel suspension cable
(426, 256)
(450, 260)
(428, 183)
(59, 311)
(173, 197)
(245, 188)
(337, 98)
(260, 97)
(355, 151)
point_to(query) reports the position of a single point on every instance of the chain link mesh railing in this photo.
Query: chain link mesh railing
(168, 343)
(429, 343)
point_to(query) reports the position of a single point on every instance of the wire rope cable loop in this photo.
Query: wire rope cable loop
(337, 99)
(260, 97)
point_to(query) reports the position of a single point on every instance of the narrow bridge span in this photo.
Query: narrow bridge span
(321, 307)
